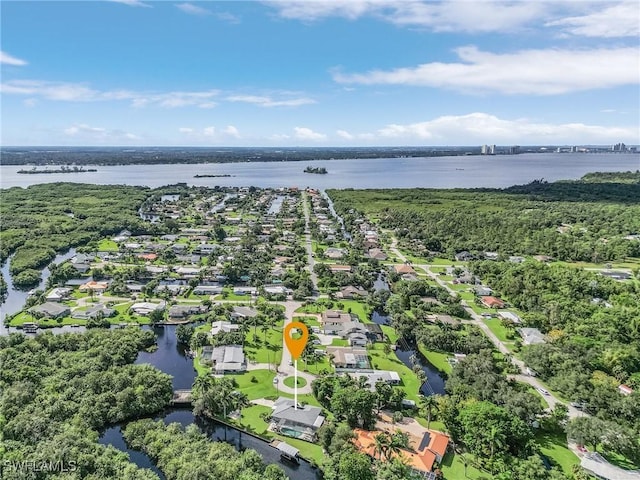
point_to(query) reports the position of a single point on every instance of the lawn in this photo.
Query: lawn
(339, 342)
(453, 468)
(382, 361)
(256, 383)
(499, 330)
(390, 333)
(358, 308)
(554, 446)
(437, 359)
(107, 245)
(261, 352)
(290, 382)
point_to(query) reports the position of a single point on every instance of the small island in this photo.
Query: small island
(63, 169)
(206, 175)
(318, 170)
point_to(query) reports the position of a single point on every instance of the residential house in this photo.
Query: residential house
(350, 292)
(93, 312)
(616, 275)
(58, 294)
(483, 291)
(50, 310)
(222, 326)
(404, 268)
(188, 272)
(95, 287)
(376, 254)
(183, 312)
(145, 308)
(350, 358)
(334, 253)
(426, 452)
(332, 321)
(301, 422)
(531, 336)
(625, 389)
(207, 290)
(225, 359)
(374, 376)
(464, 256)
(509, 316)
(491, 255)
(492, 302)
(516, 259)
(340, 268)
(242, 313)
(82, 262)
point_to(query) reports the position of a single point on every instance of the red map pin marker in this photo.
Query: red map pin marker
(296, 345)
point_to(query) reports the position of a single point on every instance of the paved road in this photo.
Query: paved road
(307, 240)
(477, 320)
(284, 369)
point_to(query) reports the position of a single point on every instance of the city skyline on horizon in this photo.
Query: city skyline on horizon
(130, 73)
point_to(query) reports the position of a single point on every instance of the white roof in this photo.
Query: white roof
(288, 449)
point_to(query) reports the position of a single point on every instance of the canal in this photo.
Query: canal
(408, 354)
(16, 297)
(171, 358)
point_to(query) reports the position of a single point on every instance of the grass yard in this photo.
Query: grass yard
(500, 331)
(256, 383)
(107, 245)
(554, 446)
(261, 352)
(290, 382)
(390, 333)
(437, 359)
(358, 308)
(453, 468)
(382, 361)
(339, 342)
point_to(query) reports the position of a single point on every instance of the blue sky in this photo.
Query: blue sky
(312, 73)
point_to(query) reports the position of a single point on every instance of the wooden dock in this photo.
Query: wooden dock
(181, 397)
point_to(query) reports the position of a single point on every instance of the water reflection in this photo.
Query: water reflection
(435, 380)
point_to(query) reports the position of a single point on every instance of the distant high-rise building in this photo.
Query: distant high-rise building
(514, 150)
(619, 147)
(484, 149)
(492, 150)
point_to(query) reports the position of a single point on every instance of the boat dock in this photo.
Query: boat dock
(181, 397)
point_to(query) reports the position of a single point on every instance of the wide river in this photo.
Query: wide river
(431, 172)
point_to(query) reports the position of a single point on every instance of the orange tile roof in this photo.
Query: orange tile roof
(404, 269)
(423, 461)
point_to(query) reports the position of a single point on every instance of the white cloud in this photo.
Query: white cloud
(210, 134)
(621, 20)
(231, 131)
(264, 101)
(537, 72)
(452, 15)
(82, 132)
(304, 133)
(133, 3)
(6, 59)
(192, 9)
(77, 92)
(467, 16)
(482, 128)
(30, 102)
(344, 134)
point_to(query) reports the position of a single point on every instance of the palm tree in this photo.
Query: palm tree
(429, 404)
(496, 438)
(381, 445)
